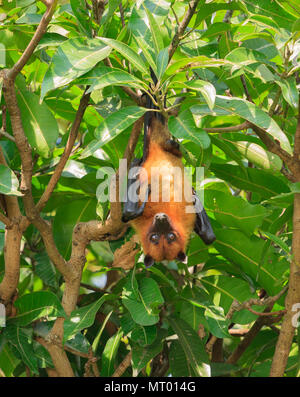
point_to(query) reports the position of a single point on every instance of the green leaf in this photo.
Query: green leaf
(112, 126)
(147, 52)
(144, 336)
(217, 323)
(35, 305)
(145, 309)
(248, 254)
(155, 31)
(226, 289)
(205, 88)
(195, 300)
(184, 127)
(289, 91)
(272, 10)
(278, 242)
(250, 179)
(257, 155)
(200, 61)
(20, 339)
(179, 365)
(109, 354)
(192, 345)
(162, 62)
(39, 124)
(142, 355)
(67, 216)
(81, 13)
(128, 53)
(234, 211)
(83, 317)
(72, 59)
(9, 183)
(45, 269)
(248, 111)
(116, 77)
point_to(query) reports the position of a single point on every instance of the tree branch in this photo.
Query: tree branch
(83, 233)
(250, 335)
(288, 327)
(4, 219)
(6, 135)
(182, 26)
(243, 126)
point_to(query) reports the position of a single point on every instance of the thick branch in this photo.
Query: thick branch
(10, 280)
(288, 327)
(21, 142)
(84, 233)
(66, 154)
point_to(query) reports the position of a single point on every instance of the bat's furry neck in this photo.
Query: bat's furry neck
(154, 124)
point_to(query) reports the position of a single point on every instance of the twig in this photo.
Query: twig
(245, 125)
(235, 306)
(5, 220)
(122, 14)
(123, 366)
(7, 135)
(182, 26)
(251, 334)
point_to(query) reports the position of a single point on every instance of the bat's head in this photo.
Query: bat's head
(163, 241)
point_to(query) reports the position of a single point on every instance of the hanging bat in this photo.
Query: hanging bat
(163, 226)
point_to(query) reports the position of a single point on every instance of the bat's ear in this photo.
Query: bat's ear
(148, 260)
(182, 257)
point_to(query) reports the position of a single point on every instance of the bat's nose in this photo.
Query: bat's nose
(160, 216)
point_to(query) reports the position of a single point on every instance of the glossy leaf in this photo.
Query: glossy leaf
(83, 317)
(116, 77)
(248, 111)
(192, 345)
(144, 309)
(184, 127)
(9, 183)
(112, 126)
(38, 122)
(35, 305)
(72, 59)
(128, 53)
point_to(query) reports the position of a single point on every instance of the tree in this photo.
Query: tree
(72, 80)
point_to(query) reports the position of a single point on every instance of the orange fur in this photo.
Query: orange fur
(160, 164)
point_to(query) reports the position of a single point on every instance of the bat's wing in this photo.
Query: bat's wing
(131, 208)
(202, 225)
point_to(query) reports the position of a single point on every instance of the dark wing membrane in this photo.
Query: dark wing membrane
(202, 225)
(131, 208)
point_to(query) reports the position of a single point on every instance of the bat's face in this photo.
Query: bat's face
(162, 241)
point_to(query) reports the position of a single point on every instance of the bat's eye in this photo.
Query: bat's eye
(171, 237)
(154, 238)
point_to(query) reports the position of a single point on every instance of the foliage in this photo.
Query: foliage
(237, 62)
